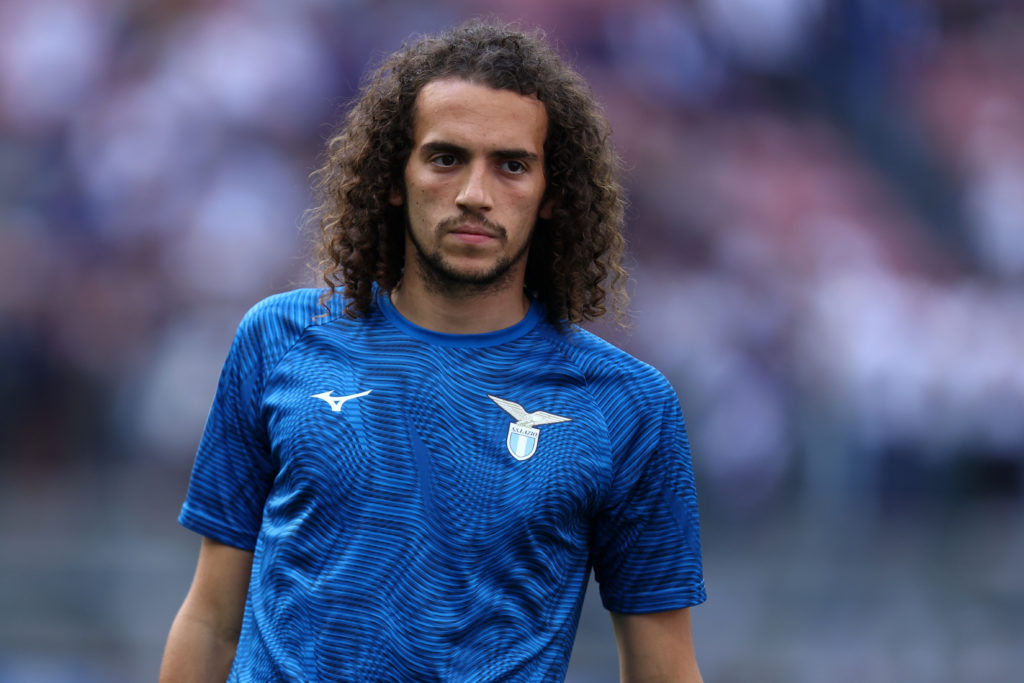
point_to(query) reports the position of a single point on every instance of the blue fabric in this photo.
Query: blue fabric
(400, 536)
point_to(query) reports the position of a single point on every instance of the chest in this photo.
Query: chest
(472, 440)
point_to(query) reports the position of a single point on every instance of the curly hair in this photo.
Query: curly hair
(575, 256)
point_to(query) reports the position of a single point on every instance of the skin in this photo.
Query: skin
(656, 647)
(204, 635)
(474, 189)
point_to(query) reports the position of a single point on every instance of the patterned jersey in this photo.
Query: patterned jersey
(426, 506)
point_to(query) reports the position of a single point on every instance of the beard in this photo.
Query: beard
(443, 277)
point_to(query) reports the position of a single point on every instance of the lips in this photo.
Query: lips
(473, 229)
(473, 232)
(471, 236)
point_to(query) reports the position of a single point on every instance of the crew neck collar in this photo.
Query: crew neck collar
(507, 334)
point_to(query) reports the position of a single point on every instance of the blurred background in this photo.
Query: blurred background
(827, 233)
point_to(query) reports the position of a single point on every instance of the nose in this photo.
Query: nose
(475, 195)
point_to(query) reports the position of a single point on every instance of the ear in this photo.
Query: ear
(546, 207)
(395, 198)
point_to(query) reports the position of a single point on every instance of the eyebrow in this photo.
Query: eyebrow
(441, 147)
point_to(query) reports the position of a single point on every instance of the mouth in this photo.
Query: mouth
(473, 233)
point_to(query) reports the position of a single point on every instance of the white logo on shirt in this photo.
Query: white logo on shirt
(336, 402)
(522, 437)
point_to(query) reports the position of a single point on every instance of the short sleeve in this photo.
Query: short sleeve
(646, 539)
(233, 468)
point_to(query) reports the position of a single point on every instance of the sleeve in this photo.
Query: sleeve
(646, 539)
(233, 469)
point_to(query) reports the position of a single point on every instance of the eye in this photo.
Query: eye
(444, 160)
(514, 167)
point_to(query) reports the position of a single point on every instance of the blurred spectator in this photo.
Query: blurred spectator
(826, 223)
(155, 160)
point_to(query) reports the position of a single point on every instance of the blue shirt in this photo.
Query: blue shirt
(427, 506)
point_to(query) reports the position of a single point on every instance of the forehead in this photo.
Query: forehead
(462, 112)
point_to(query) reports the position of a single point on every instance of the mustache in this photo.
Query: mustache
(453, 222)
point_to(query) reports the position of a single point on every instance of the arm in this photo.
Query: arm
(201, 645)
(656, 647)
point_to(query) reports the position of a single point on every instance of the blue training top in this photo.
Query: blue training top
(427, 506)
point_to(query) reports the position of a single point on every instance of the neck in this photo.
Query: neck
(471, 313)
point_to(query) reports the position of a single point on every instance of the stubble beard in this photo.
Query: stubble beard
(442, 277)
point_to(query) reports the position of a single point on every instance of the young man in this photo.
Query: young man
(409, 474)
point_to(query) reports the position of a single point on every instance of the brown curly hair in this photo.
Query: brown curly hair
(573, 256)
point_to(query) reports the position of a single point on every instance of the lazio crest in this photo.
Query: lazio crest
(522, 441)
(523, 435)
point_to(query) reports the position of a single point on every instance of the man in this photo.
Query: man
(407, 476)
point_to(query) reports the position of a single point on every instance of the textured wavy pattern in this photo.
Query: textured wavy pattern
(397, 538)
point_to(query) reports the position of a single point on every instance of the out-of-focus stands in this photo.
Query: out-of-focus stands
(825, 219)
(155, 159)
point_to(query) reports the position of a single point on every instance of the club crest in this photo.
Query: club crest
(523, 435)
(522, 441)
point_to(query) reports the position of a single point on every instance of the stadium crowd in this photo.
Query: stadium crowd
(826, 221)
(826, 206)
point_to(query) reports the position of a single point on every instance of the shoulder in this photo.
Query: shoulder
(274, 324)
(289, 313)
(637, 403)
(609, 369)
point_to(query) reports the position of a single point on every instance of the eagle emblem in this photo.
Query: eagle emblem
(523, 434)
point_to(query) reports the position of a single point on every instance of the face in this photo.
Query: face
(474, 185)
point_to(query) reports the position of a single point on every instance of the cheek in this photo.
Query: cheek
(529, 202)
(427, 207)
(426, 200)
(426, 193)
(417, 195)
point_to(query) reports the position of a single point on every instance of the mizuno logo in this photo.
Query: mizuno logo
(523, 437)
(336, 402)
